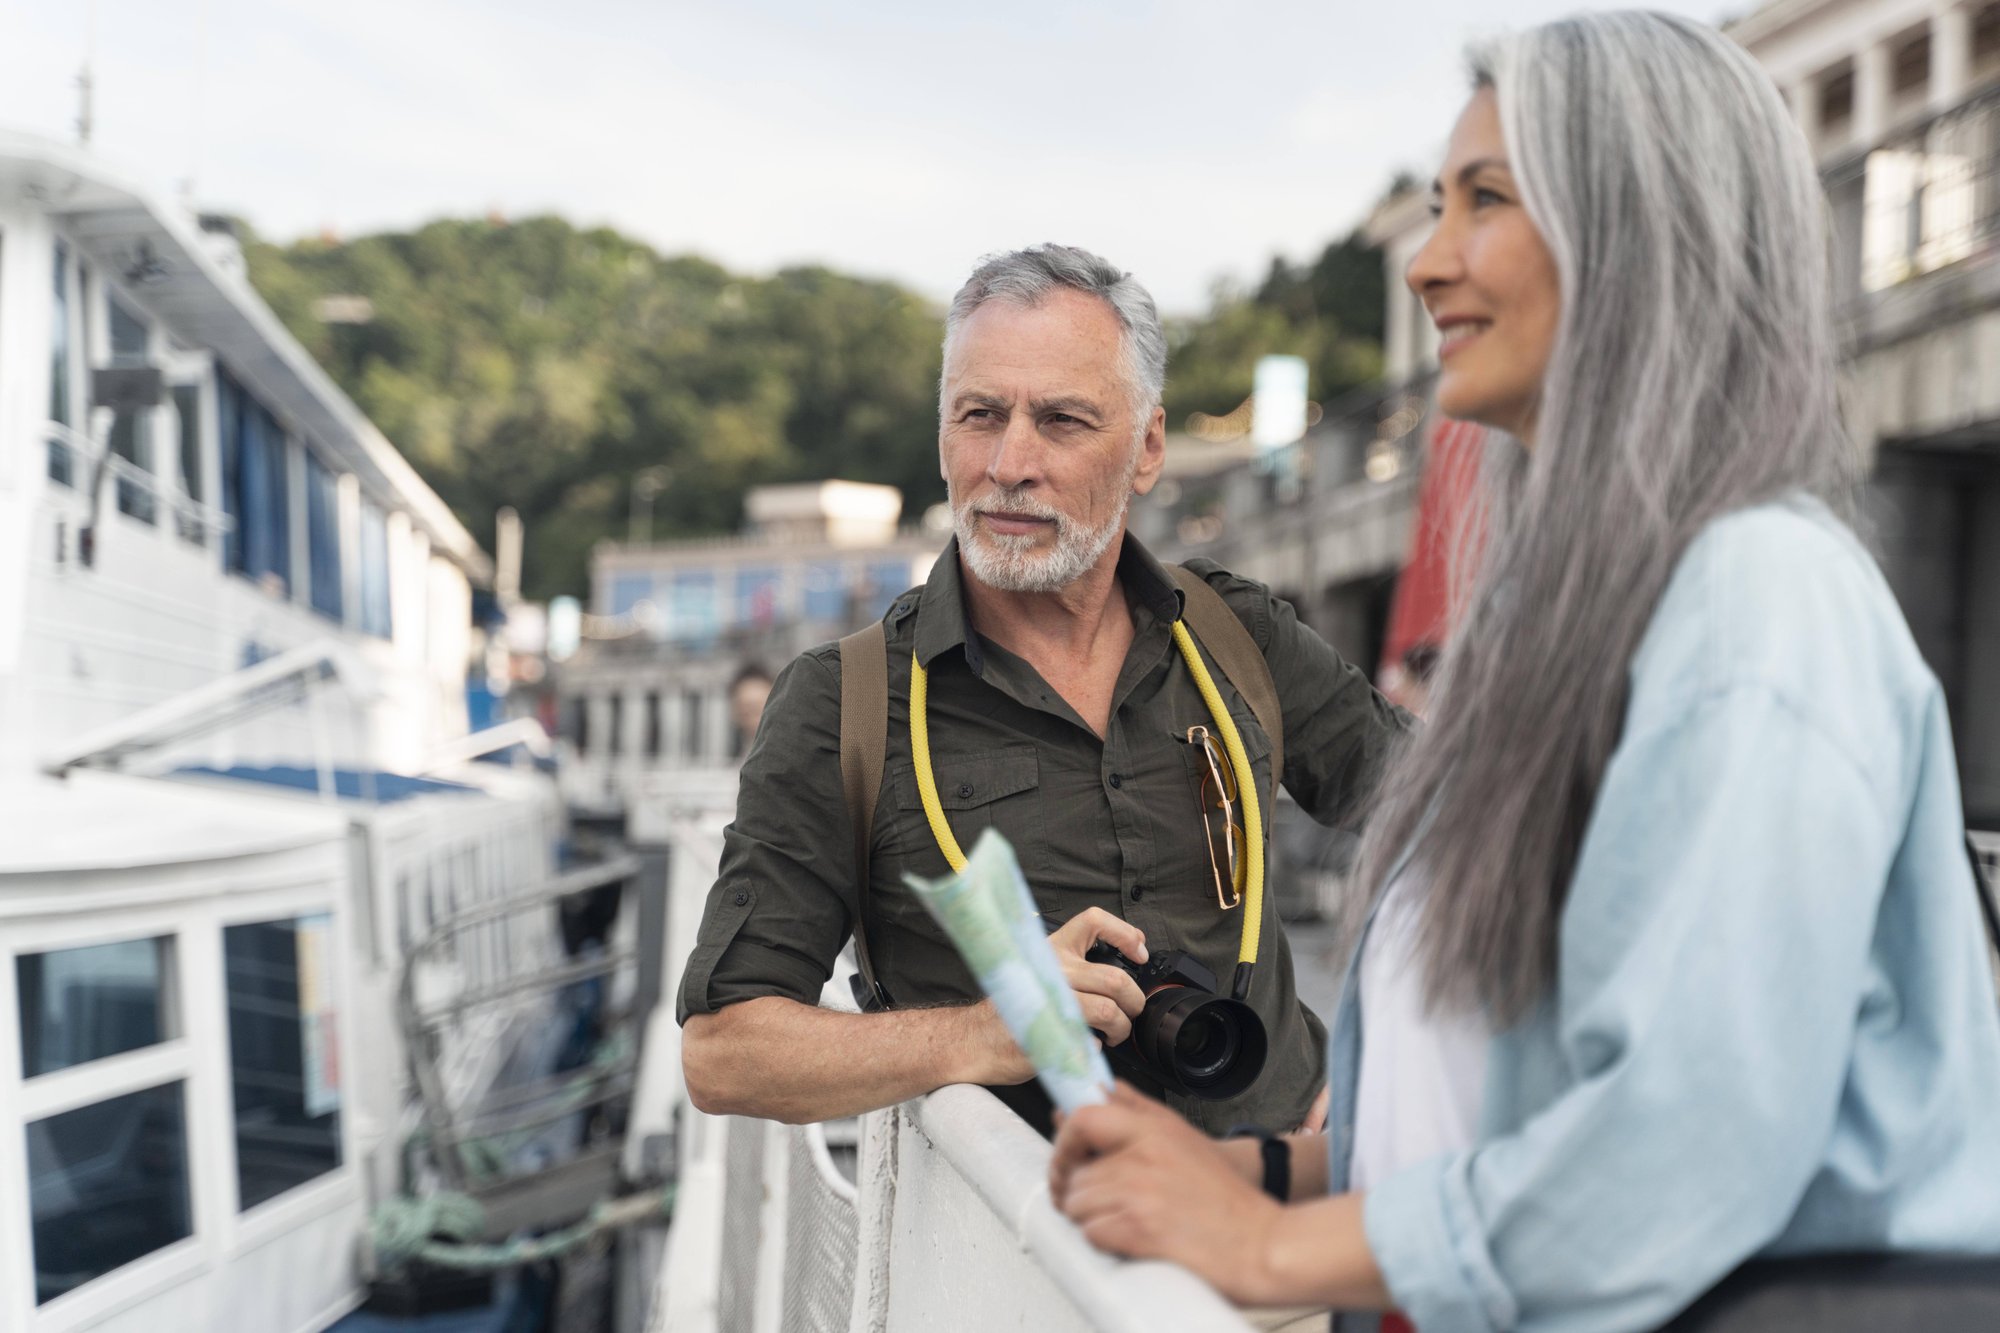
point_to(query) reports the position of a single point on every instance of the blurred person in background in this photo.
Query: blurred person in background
(1671, 954)
(748, 689)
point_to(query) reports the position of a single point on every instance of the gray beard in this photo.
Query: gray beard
(1012, 564)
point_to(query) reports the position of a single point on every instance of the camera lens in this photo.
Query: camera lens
(1204, 1044)
(1199, 1044)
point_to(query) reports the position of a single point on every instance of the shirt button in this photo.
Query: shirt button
(742, 898)
(1138, 892)
(965, 791)
(1116, 781)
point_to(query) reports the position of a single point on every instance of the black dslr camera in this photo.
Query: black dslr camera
(1188, 1039)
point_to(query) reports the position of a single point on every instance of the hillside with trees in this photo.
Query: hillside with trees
(539, 365)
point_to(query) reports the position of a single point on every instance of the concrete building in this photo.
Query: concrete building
(673, 623)
(1901, 102)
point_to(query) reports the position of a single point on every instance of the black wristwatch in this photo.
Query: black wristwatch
(1277, 1156)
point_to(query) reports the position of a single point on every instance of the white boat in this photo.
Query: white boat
(278, 948)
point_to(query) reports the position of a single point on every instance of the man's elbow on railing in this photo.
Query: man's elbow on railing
(714, 1086)
(748, 1059)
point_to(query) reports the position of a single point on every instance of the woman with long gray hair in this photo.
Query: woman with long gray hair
(1671, 956)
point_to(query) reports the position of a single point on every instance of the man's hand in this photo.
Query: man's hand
(1109, 998)
(1108, 995)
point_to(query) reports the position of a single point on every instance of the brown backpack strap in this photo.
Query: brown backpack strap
(864, 745)
(1217, 629)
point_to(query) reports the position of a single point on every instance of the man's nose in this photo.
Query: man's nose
(1016, 457)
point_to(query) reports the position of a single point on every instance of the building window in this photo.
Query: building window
(323, 538)
(62, 459)
(284, 1065)
(1986, 40)
(887, 580)
(187, 409)
(256, 488)
(825, 593)
(579, 723)
(757, 596)
(653, 729)
(132, 428)
(375, 609)
(1910, 67)
(614, 727)
(695, 617)
(107, 1184)
(79, 1005)
(627, 591)
(1836, 99)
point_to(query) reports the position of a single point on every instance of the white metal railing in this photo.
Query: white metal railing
(945, 1221)
(219, 702)
(81, 455)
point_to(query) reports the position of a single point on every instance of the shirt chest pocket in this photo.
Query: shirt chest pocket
(998, 788)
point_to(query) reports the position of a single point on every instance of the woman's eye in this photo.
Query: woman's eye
(1482, 196)
(1435, 208)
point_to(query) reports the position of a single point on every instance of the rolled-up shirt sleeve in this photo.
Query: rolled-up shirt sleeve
(779, 911)
(1714, 953)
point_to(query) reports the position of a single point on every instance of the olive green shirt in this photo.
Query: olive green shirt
(1113, 823)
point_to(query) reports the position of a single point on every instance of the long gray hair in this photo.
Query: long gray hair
(1693, 373)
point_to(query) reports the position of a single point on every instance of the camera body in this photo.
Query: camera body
(1189, 1038)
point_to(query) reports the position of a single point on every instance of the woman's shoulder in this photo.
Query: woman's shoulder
(1781, 598)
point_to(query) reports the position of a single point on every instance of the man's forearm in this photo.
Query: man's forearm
(782, 1060)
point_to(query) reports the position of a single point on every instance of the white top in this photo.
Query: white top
(1423, 1076)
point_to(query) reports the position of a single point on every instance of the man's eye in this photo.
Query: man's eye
(980, 414)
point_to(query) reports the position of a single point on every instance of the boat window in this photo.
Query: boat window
(187, 409)
(375, 617)
(284, 1064)
(107, 1184)
(256, 488)
(323, 538)
(79, 1005)
(131, 427)
(62, 458)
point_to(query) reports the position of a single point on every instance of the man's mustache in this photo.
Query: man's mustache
(1016, 505)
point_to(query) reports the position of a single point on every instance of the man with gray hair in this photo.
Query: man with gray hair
(1058, 711)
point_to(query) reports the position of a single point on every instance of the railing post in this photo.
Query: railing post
(772, 1232)
(875, 1205)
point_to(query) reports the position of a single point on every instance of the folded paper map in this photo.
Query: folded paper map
(988, 913)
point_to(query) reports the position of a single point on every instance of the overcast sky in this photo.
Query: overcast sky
(1186, 139)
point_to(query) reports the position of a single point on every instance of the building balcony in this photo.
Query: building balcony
(1916, 224)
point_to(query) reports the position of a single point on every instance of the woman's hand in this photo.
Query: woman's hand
(1141, 1182)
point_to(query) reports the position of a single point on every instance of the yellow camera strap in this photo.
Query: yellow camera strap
(1252, 886)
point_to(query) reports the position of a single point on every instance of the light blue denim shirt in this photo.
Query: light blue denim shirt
(1773, 1028)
